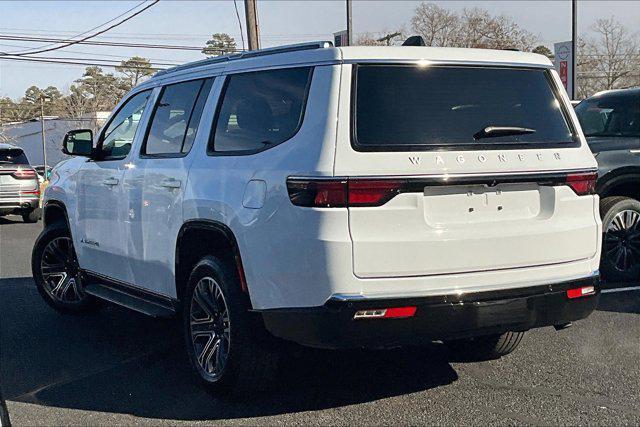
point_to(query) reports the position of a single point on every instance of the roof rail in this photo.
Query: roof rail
(248, 54)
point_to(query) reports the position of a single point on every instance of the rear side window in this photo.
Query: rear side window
(13, 156)
(261, 109)
(610, 115)
(400, 108)
(176, 117)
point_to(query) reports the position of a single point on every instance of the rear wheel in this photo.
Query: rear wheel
(227, 346)
(620, 259)
(56, 272)
(31, 216)
(486, 347)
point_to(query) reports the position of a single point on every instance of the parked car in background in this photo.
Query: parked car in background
(611, 123)
(333, 197)
(40, 170)
(19, 185)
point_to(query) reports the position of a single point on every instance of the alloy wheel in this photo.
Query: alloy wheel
(210, 328)
(60, 271)
(622, 240)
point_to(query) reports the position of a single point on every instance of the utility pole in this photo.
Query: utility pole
(574, 44)
(349, 24)
(251, 13)
(387, 39)
(44, 140)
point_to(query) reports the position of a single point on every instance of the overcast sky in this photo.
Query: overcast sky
(281, 22)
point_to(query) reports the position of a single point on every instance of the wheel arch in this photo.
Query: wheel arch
(620, 182)
(54, 212)
(200, 237)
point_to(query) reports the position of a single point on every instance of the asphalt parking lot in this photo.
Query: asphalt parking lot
(118, 367)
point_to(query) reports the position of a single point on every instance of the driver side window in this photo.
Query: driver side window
(118, 136)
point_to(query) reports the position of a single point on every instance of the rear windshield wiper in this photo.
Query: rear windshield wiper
(494, 131)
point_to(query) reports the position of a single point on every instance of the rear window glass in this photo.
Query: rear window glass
(413, 108)
(13, 156)
(610, 116)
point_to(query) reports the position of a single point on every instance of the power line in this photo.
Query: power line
(50, 61)
(94, 28)
(235, 5)
(91, 35)
(104, 43)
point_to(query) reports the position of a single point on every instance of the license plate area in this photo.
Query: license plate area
(468, 204)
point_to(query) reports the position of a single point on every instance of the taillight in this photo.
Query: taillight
(367, 192)
(339, 193)
(24, 174)
(582, 183)
(318, 193)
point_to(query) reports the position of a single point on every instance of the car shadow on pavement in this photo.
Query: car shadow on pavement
(117, 361)
(620, 302)
(12, 220)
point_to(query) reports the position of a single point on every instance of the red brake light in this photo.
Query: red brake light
(319, 193)
(368, 192)
(340, 193)
(582, 183)
(24, 174)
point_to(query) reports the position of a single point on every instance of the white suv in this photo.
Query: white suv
(334, 197)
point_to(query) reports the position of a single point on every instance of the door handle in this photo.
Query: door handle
(634, 151)
(170, 183)
(111, 181)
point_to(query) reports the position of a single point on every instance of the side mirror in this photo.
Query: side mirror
(78, 142)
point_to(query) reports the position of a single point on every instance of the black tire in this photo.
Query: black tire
(32, 216)
(74, 300)
(485, 347)
(624, 242)
(252, 356)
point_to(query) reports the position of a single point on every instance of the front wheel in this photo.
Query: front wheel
(226, 344)
(486, 347)
(56, 272)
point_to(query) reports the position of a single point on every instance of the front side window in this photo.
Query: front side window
(175, 120)
(261, 109)
(400, 108)
(614, 115)
(119, 134)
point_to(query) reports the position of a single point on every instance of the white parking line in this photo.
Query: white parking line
(629, 289)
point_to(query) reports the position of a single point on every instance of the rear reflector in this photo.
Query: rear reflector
(385, 313)
(582, 183)
(581, 292)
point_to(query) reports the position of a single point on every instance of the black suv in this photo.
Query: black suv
(611, 122)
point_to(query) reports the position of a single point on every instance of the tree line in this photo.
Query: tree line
(608, 58)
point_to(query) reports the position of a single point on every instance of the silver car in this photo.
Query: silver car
(19, 186)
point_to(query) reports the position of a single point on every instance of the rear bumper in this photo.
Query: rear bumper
(440, 317)
(17, 204)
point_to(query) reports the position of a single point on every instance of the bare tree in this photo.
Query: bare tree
(437, 25)
(610, 60)
(473, 27)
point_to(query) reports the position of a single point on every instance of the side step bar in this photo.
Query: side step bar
(140, 300)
